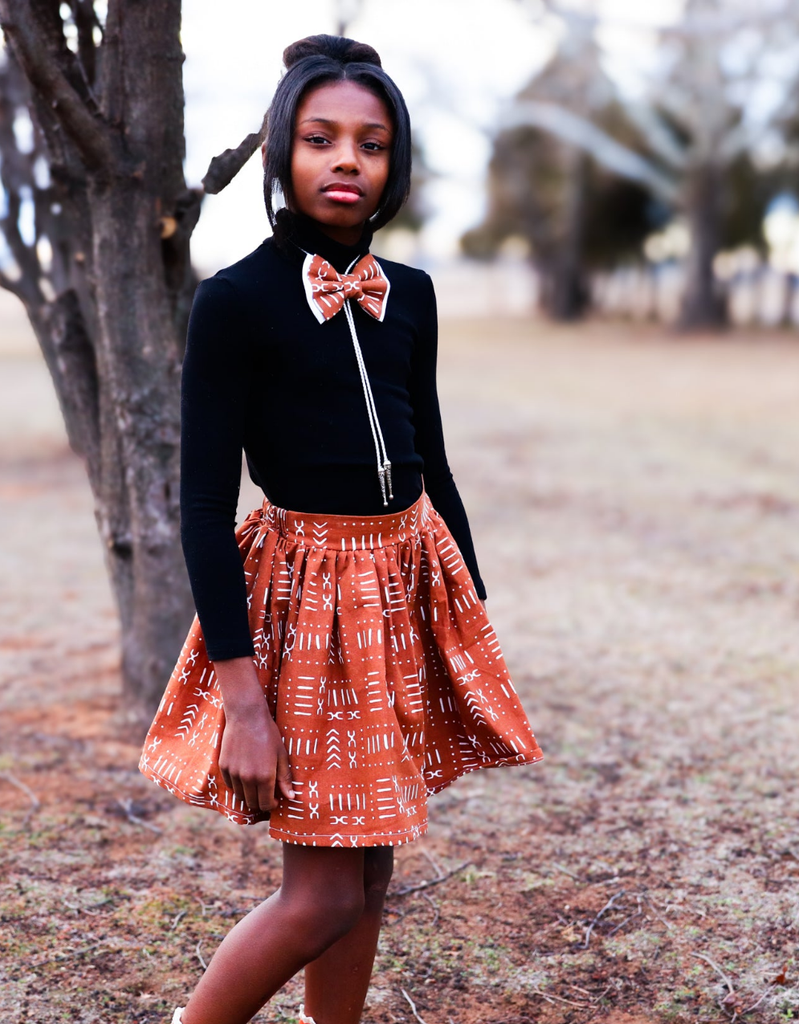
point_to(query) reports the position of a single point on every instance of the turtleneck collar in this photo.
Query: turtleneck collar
(298, 233)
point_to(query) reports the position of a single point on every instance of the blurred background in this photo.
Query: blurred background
(593, 157)
(607, 197)
(572, 159)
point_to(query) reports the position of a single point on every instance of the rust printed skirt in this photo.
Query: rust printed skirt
(379, 665)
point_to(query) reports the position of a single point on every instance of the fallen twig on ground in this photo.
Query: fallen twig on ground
(433, 863)
(647, 899)
(434, 905)
(70, 954)
(12, 780)
(754, 1006)
(627, 920)
(732, 999)
(199, 955)
(603, 911)
(632, 917)
(412, 1005)
(717, 969)
(431, 881)
(134, 819)
(559, 999)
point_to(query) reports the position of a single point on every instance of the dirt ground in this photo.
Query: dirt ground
(639, 495)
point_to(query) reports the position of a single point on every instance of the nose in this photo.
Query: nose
(345, 158)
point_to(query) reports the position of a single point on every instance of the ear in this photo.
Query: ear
(263, 153)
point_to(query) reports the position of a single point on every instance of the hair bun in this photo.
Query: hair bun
(338, 48)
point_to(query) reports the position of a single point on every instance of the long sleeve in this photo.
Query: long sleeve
(217, 373)
(429, 436)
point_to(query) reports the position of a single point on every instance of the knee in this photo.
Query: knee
(344, 907)
(378, 868)
(325, 917)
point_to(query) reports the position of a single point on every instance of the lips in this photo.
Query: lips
(343, 192)
(343, 186)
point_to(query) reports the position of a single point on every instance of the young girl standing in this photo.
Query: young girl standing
(342, 667)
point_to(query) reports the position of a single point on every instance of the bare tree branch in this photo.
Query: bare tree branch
(582, 133)
(705, 25)
(657, 134)
(224, 168)
(346, 12)
(25, 256)
(86, 21)
(10, 285)
(16, 179)
(86, 131)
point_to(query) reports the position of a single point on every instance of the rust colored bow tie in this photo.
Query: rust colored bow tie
(327, 290)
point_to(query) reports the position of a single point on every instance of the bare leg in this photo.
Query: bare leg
(321, 899)
(336, 982)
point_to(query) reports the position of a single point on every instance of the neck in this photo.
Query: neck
(301, 234)
(344, 236)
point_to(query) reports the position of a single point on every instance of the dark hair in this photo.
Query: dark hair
(312, 62)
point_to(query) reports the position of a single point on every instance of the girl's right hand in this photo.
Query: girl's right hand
(252, 758)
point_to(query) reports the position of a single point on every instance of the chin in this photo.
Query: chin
(342, 216)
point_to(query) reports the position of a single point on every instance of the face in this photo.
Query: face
(341, 155)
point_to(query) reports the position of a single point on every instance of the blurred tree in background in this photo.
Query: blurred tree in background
(574, 214)
(414, 213)
(97, 223)
(694, 142)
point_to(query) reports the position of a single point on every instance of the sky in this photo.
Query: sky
(456, 61)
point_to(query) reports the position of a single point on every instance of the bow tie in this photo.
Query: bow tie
(327, 290)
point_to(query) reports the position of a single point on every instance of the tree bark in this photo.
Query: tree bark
(565, 293)
(570, 292)
(118, 217)
(704, 302)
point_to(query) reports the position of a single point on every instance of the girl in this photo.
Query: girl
(342, 666)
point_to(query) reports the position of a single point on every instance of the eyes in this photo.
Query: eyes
(320, 140)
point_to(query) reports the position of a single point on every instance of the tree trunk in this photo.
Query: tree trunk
(118, 217)
(788, 298)
(704, 302)
(137, 511)
(566, 292)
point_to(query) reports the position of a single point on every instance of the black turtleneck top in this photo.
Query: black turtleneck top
(262, 375)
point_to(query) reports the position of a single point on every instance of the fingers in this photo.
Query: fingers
(260, 778)
(234, 784)
(251, 789)
(244, 789)
(271, 790)
(284, 782)
(255, 793)
(266, 794)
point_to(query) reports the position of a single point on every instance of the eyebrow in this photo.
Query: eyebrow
(327, 120)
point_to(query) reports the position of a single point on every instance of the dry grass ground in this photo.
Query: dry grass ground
(639, 495)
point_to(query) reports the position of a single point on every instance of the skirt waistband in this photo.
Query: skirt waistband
(346, 533)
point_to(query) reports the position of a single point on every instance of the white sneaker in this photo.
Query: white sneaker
(303, 1018)
(176, 1018)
